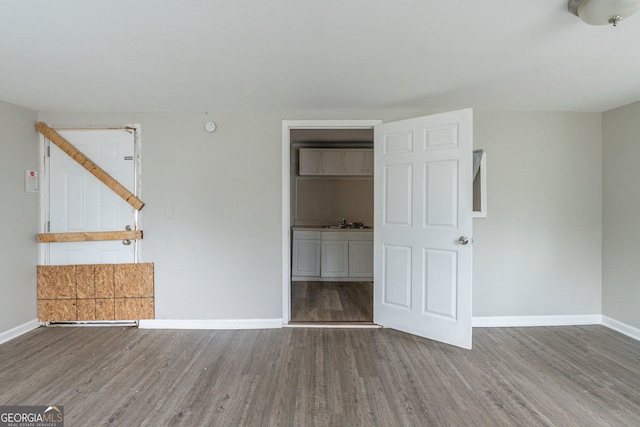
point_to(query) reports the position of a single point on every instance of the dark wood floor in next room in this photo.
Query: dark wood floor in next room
(315, 301)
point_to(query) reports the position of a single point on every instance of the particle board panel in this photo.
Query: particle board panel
(104, 281)
(57, 310)
(85, 281)
(86, 309)
(56, 282)
(105, 309)
(134, 308)
(96, 292)
(133, 280)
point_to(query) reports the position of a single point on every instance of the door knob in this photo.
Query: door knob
(463, 240)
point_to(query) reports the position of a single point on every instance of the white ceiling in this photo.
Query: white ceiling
(198, 55)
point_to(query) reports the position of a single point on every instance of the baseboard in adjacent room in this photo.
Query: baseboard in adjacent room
(19, 330)
(623, 328)
(521, 321)
(210, 324)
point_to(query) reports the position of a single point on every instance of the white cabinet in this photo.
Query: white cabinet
(332, 161)
(306, 254)
(358, 162)
(335, 258)
(361, 258)
(332, 255)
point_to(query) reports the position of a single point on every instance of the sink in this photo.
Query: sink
(347, 227)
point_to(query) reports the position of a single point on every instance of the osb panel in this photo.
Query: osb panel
(134, 308)
(56, 281)
(85, 282)
(87, 292)
(105, 309)
(104, 281)
(133, 280)
(57, 310)
(86, 309)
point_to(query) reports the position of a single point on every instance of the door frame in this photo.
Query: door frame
(43, 187)
(287, 126)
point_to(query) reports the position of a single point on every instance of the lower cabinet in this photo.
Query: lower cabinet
(361, 258)
(332, 255)
(335, 258)
(306, 254)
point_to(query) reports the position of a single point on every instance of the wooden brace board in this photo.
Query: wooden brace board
(90, 236)
(89, 165)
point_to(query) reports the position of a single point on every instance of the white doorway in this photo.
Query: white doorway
(451, 314)
(73, 200)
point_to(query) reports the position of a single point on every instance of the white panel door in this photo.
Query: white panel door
(423, 225)
(79, 202)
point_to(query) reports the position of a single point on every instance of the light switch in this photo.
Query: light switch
(168, 213)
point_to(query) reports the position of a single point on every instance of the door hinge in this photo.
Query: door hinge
(48, 226)
(49, 151)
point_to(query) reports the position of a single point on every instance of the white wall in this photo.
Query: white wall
(538, 252)
(621, 220)
(18, 217)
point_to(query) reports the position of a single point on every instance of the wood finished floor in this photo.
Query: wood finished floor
(560, 376)
(315, 301)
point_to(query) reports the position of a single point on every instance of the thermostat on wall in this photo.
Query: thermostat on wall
(210, 127)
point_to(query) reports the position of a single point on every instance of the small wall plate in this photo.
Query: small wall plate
(210, 127)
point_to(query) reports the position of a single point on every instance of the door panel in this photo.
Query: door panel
(440, 194)
(397, 194)
(423, 206)
(440, 285)
(79, 202)
(396, 286)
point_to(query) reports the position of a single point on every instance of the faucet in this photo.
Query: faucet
(343, 223)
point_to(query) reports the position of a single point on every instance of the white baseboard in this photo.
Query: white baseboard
(210, 324)
(19, 330)
(513, 321)
(623, 328)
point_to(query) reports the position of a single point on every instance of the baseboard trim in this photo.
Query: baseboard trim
(623, 328)
(19, 330)
(523, 321)
(210, 324)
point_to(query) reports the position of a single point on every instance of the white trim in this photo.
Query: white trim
(19, 330)
(330, 279)
(287, 125)
(514, 321)
(623, 328)
(330, 325)
(43, 197)
(210, 324)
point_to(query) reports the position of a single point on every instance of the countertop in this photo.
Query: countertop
(321, 228)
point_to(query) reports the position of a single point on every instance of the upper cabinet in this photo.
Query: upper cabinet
(335, 161)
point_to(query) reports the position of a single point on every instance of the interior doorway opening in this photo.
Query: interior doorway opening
(328, 222)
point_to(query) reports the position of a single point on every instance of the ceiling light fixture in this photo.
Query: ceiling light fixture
(602, 12)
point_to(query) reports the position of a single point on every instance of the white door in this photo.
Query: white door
(79, 202)
(422, 240)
